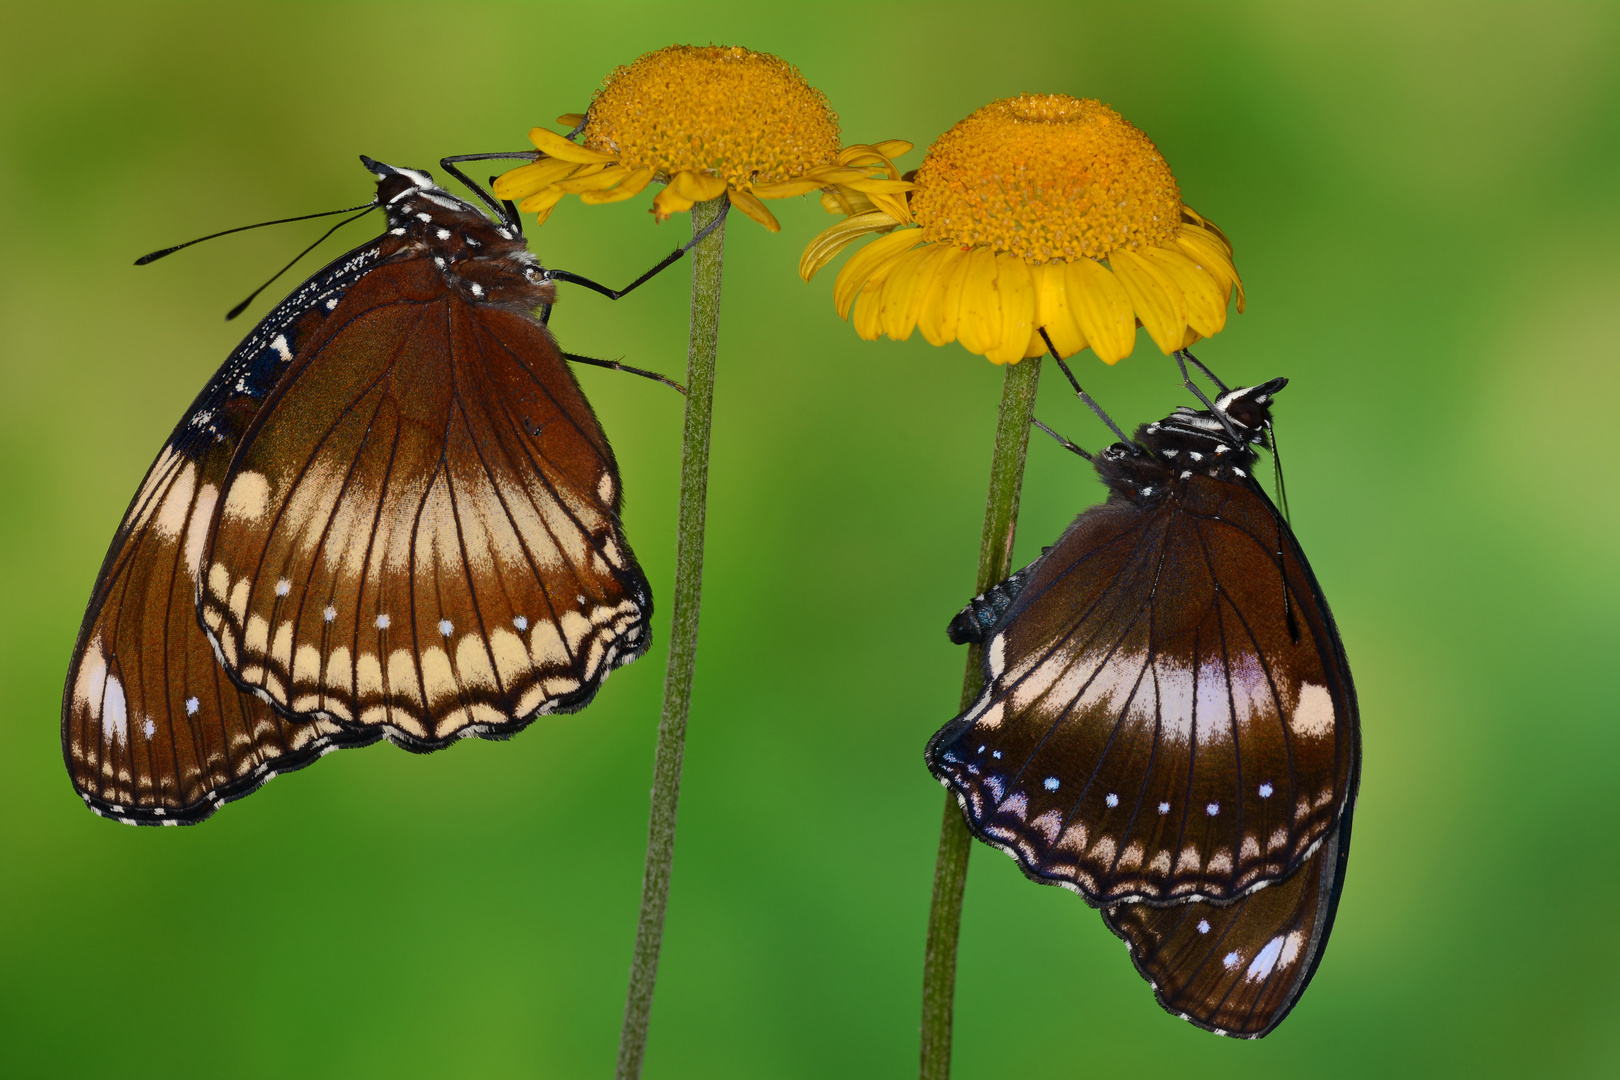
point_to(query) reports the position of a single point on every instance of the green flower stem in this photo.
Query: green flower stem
(702, 344)
(950, 866)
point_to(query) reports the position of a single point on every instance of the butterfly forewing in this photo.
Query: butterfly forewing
(1166, 715)
(420, 531)
(153, 731)
(1237, 969)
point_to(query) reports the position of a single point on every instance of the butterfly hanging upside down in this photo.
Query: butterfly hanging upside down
(1168, 725)
(391, 513)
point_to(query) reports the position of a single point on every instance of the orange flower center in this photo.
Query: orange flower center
(1047, 177)
(746, 117)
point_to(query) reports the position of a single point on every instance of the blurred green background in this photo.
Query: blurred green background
(1422, 197)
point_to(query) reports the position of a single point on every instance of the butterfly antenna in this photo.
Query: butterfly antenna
(156, 255)
(239, 308)
(617, 366)
(1182, 356)
(1277, 473)
(1065, 443)
(505, 210)
(1085, 397)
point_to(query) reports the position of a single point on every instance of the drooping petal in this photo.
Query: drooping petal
(571, 120)
(896, 206)
(697, 186)
(892, 148)
(1102, 309)
(866, 316)
(600, 180)
(942, 311)
(1017, 289)
(898, 313)
(1052, 310)
(827, 244)
(980, 326)
(1159, 301)
(525, 180)
(668, 202)
(632, 186)
(755, 209)
(786, 189)
(542, 201)
(1206, 300)
(833, 174)
(1210, 252)
(869, 262)
(550, 143)
(929, 261)
(838, 200)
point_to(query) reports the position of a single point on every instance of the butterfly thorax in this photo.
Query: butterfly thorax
(482, 261)
(1191, 442)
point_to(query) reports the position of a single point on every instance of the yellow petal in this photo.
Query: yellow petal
(1036, 346)
(827, 244)
(540, 216)
(1159, 301)
(1102, 308)
(866, 315)
(697, 187)
(1208, 251)
(549, 142)
(833, 174)
(668, 202)
(1191, 339)
(942, 307)
(1206, 300)
(980, 326)
(870, 186)
(600, 180)
(755, 209)
(542, 201)
(786, 189)
(1017, 289)
(632, 186)
(899, 313)
(892, 148)
(525, 180)
(844, 201)
(1052, 310)
(868, 263)
(929, 261)
(896, 206)
(571, 120)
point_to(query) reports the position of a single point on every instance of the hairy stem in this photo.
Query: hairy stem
(950, 866)
(702, 344)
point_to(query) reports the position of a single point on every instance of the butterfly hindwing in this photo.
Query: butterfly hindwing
(153, 732)
(1237, 969)
(420, 532)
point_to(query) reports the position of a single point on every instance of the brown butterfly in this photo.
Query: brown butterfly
(1168, 722)
(395, 514)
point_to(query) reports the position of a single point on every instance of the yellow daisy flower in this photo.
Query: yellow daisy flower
(707, 121)
(1040, 212)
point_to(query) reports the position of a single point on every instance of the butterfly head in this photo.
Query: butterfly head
(1217, 442)
(486, 262)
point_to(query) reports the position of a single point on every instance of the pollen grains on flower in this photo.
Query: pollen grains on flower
(1040, 213)
(707, 121)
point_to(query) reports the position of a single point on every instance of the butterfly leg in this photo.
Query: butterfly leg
(1065, 443)
(668, 261)
(1201, 366)
(1085, 397)
(1182, 356)
(617, 366)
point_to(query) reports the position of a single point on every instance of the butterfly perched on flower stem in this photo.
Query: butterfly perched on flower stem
(395, 514)
(1168, 725)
